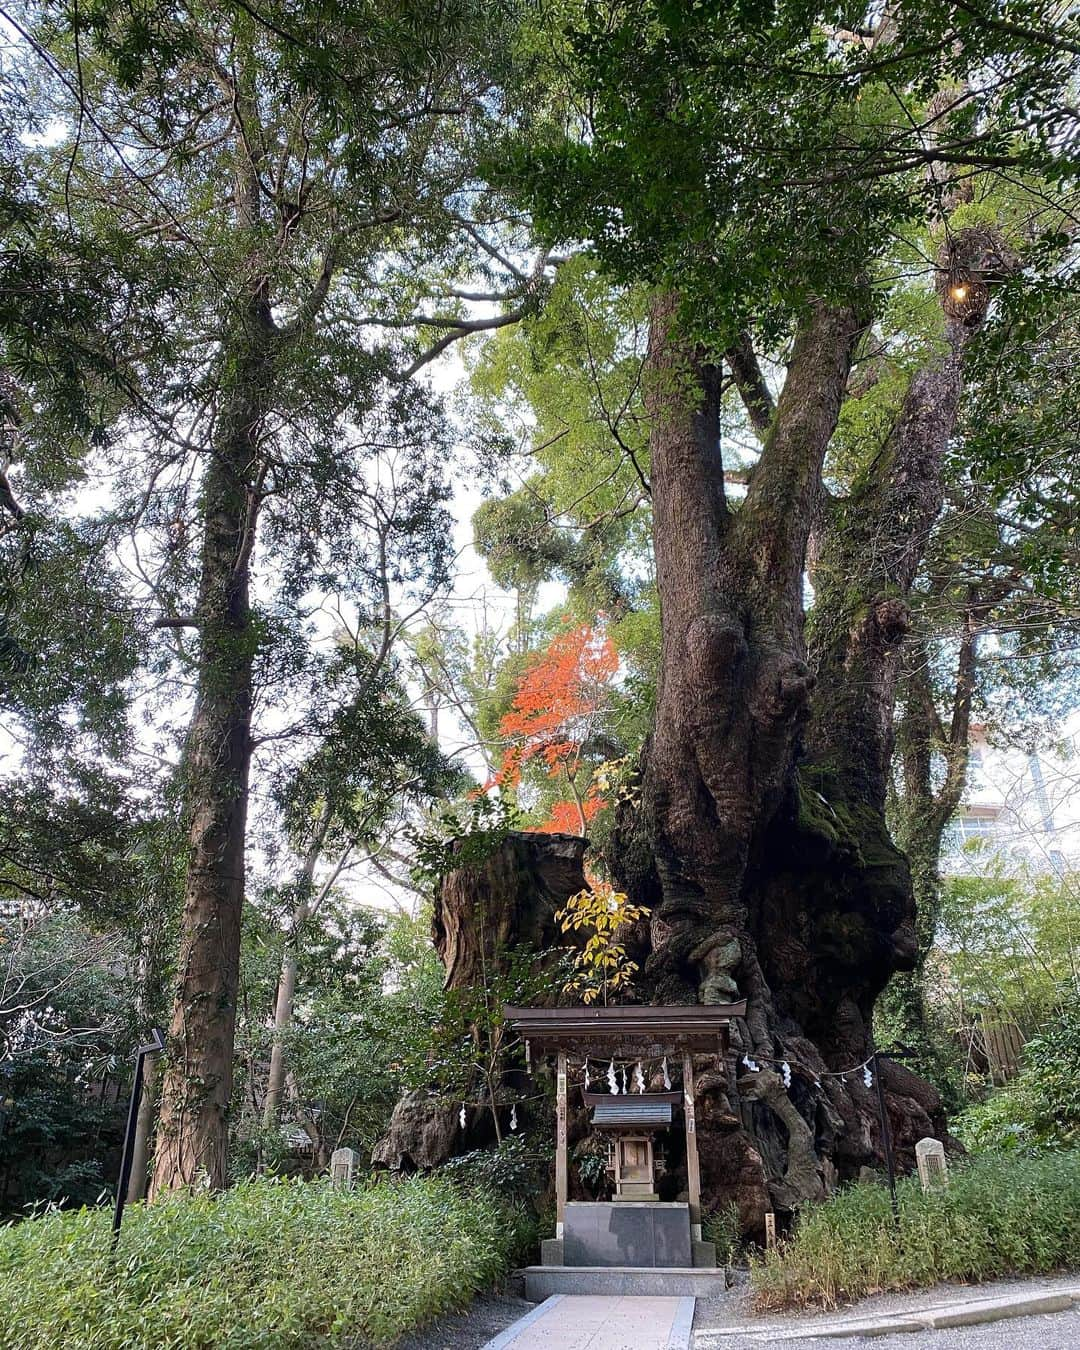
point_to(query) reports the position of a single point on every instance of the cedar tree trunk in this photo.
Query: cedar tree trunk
(193, 1123)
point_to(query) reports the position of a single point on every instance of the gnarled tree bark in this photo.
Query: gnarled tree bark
(760, 843)
(482, 913)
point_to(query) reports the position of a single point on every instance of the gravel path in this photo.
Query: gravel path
(484, 1318)
(1026, 1333)
(1041, 1331)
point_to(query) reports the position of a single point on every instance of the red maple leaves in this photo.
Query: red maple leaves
(557, 706)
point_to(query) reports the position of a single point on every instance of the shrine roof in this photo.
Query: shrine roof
(620, 1112)
(630, 1028)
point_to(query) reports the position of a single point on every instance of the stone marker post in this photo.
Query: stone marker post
(560, 1145)
(930, 1157)
(342, 1167)
(693, 1166)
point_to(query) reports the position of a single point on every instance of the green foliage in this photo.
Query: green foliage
(67, 668)
(517, 1167)
(1006, 942)
(74, 1002)
(998, 1216)
(929, 1038)
(591, 1164)
(463, 836)
(1039, 1110)
(370, 754)
(470, 1049)
(266, 1265)
(567, 380)
(1005, 948)
(720, 1224)
(564, 391)
(739, 154)
(368, 991)
(1000, 1124)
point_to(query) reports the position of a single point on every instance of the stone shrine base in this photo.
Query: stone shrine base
(625, 1248)
(627, 1233)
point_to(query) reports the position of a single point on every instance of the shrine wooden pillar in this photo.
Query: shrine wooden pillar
(693, 1168)
(560, 1145)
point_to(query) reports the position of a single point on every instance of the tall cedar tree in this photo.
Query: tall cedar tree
(283, 165)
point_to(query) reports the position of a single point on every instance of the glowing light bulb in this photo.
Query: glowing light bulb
(959, 292)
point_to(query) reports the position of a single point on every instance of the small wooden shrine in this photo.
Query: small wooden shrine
(630, 1036)
(632, 1122)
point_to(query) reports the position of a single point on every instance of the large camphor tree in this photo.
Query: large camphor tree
(762, 172)
(288, 175)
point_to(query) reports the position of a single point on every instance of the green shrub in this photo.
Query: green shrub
(592, 1168)
(720, 1225)
(1040, 1108)
(1001, 1124)
(999, 1215)
(515, 1168)
(269, 1264)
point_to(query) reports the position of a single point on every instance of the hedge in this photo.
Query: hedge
(268, 1264)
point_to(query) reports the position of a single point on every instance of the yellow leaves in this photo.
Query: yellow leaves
(617, 779)
(602, 965)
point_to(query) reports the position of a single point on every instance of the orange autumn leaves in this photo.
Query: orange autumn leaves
(557, 708)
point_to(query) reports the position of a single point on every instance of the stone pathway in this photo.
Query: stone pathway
(595, 1322)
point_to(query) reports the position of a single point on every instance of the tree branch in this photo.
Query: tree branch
(750, 382)
(463, 328)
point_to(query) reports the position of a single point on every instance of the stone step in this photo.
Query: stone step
(542, 1282)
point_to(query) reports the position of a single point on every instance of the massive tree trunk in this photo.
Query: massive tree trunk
(760, 843)
(193, 1123)
(734, 680)
(719, 771)
(483, 912)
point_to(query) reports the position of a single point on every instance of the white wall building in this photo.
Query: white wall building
(1023, 806)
